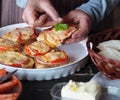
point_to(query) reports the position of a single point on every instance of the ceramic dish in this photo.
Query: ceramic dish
(110, 89)
(77, 53)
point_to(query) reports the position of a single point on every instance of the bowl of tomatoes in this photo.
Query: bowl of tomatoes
(10, 88)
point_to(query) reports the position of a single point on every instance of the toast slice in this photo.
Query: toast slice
(55, 38)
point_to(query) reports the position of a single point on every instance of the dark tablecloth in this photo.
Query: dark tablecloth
(40, 90)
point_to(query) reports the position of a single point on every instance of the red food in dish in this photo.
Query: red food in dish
(53, 58)
(55, 38)
(10, 89)
(36, 48)
(23, 35)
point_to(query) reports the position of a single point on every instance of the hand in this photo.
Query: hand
(83, 22)
(40, 13)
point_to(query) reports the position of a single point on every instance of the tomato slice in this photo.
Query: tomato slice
(15, 65)
(34, 52)
(32, 36)
(2, 72)
(31, 52)
(20, 37)
(21, 63)
(3, 48)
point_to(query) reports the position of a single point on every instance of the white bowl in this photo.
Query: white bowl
(77, 52)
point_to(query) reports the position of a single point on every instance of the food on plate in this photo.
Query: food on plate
(23, 35)
(54, 58)
(16, 59)
(81, 90)
(115, 44)
(36, 48)
(110, 49)
(23, 47)
(6, 44)
(10, 89)
(56, 35)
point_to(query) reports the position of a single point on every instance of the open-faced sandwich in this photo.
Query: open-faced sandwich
(36, 48)
(22, 35)
(52, 59)
(6, 44)
(16, 59)
(56, 35)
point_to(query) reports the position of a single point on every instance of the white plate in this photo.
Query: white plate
(110, 88)
(77, 52)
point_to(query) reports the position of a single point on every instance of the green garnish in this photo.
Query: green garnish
(61, 26)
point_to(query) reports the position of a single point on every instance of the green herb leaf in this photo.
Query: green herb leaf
(61, 26)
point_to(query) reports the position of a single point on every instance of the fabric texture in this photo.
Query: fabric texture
(12, 10)
(10, 13)
(98, 9)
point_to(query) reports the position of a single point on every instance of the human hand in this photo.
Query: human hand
(83, 22)
(40, 13)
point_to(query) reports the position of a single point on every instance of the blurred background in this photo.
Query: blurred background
(11, 13)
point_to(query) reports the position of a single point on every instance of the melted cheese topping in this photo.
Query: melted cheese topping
(11, 57)
(24, 33)
(39, 46)
(40, 37)
(6, 42)
(53, 55)
(9, 45)
(57, 37)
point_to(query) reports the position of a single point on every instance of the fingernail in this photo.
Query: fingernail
(60, 19)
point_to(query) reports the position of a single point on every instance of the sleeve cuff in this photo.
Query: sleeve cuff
(21, 3)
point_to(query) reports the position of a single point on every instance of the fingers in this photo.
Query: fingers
(44, 21)
(49, 23)
(73, 40)
(41, 20)
(81, 31)
(83, 22)
(29, 16)
(33, 13)
(50, 10)
(77, 36)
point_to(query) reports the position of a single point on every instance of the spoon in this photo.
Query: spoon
(7, 76)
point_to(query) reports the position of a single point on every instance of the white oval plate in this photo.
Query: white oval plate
(77, 52)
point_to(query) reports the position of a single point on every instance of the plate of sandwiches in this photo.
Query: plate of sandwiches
(40, 53)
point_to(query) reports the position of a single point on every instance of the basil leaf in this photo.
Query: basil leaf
(61, 26)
